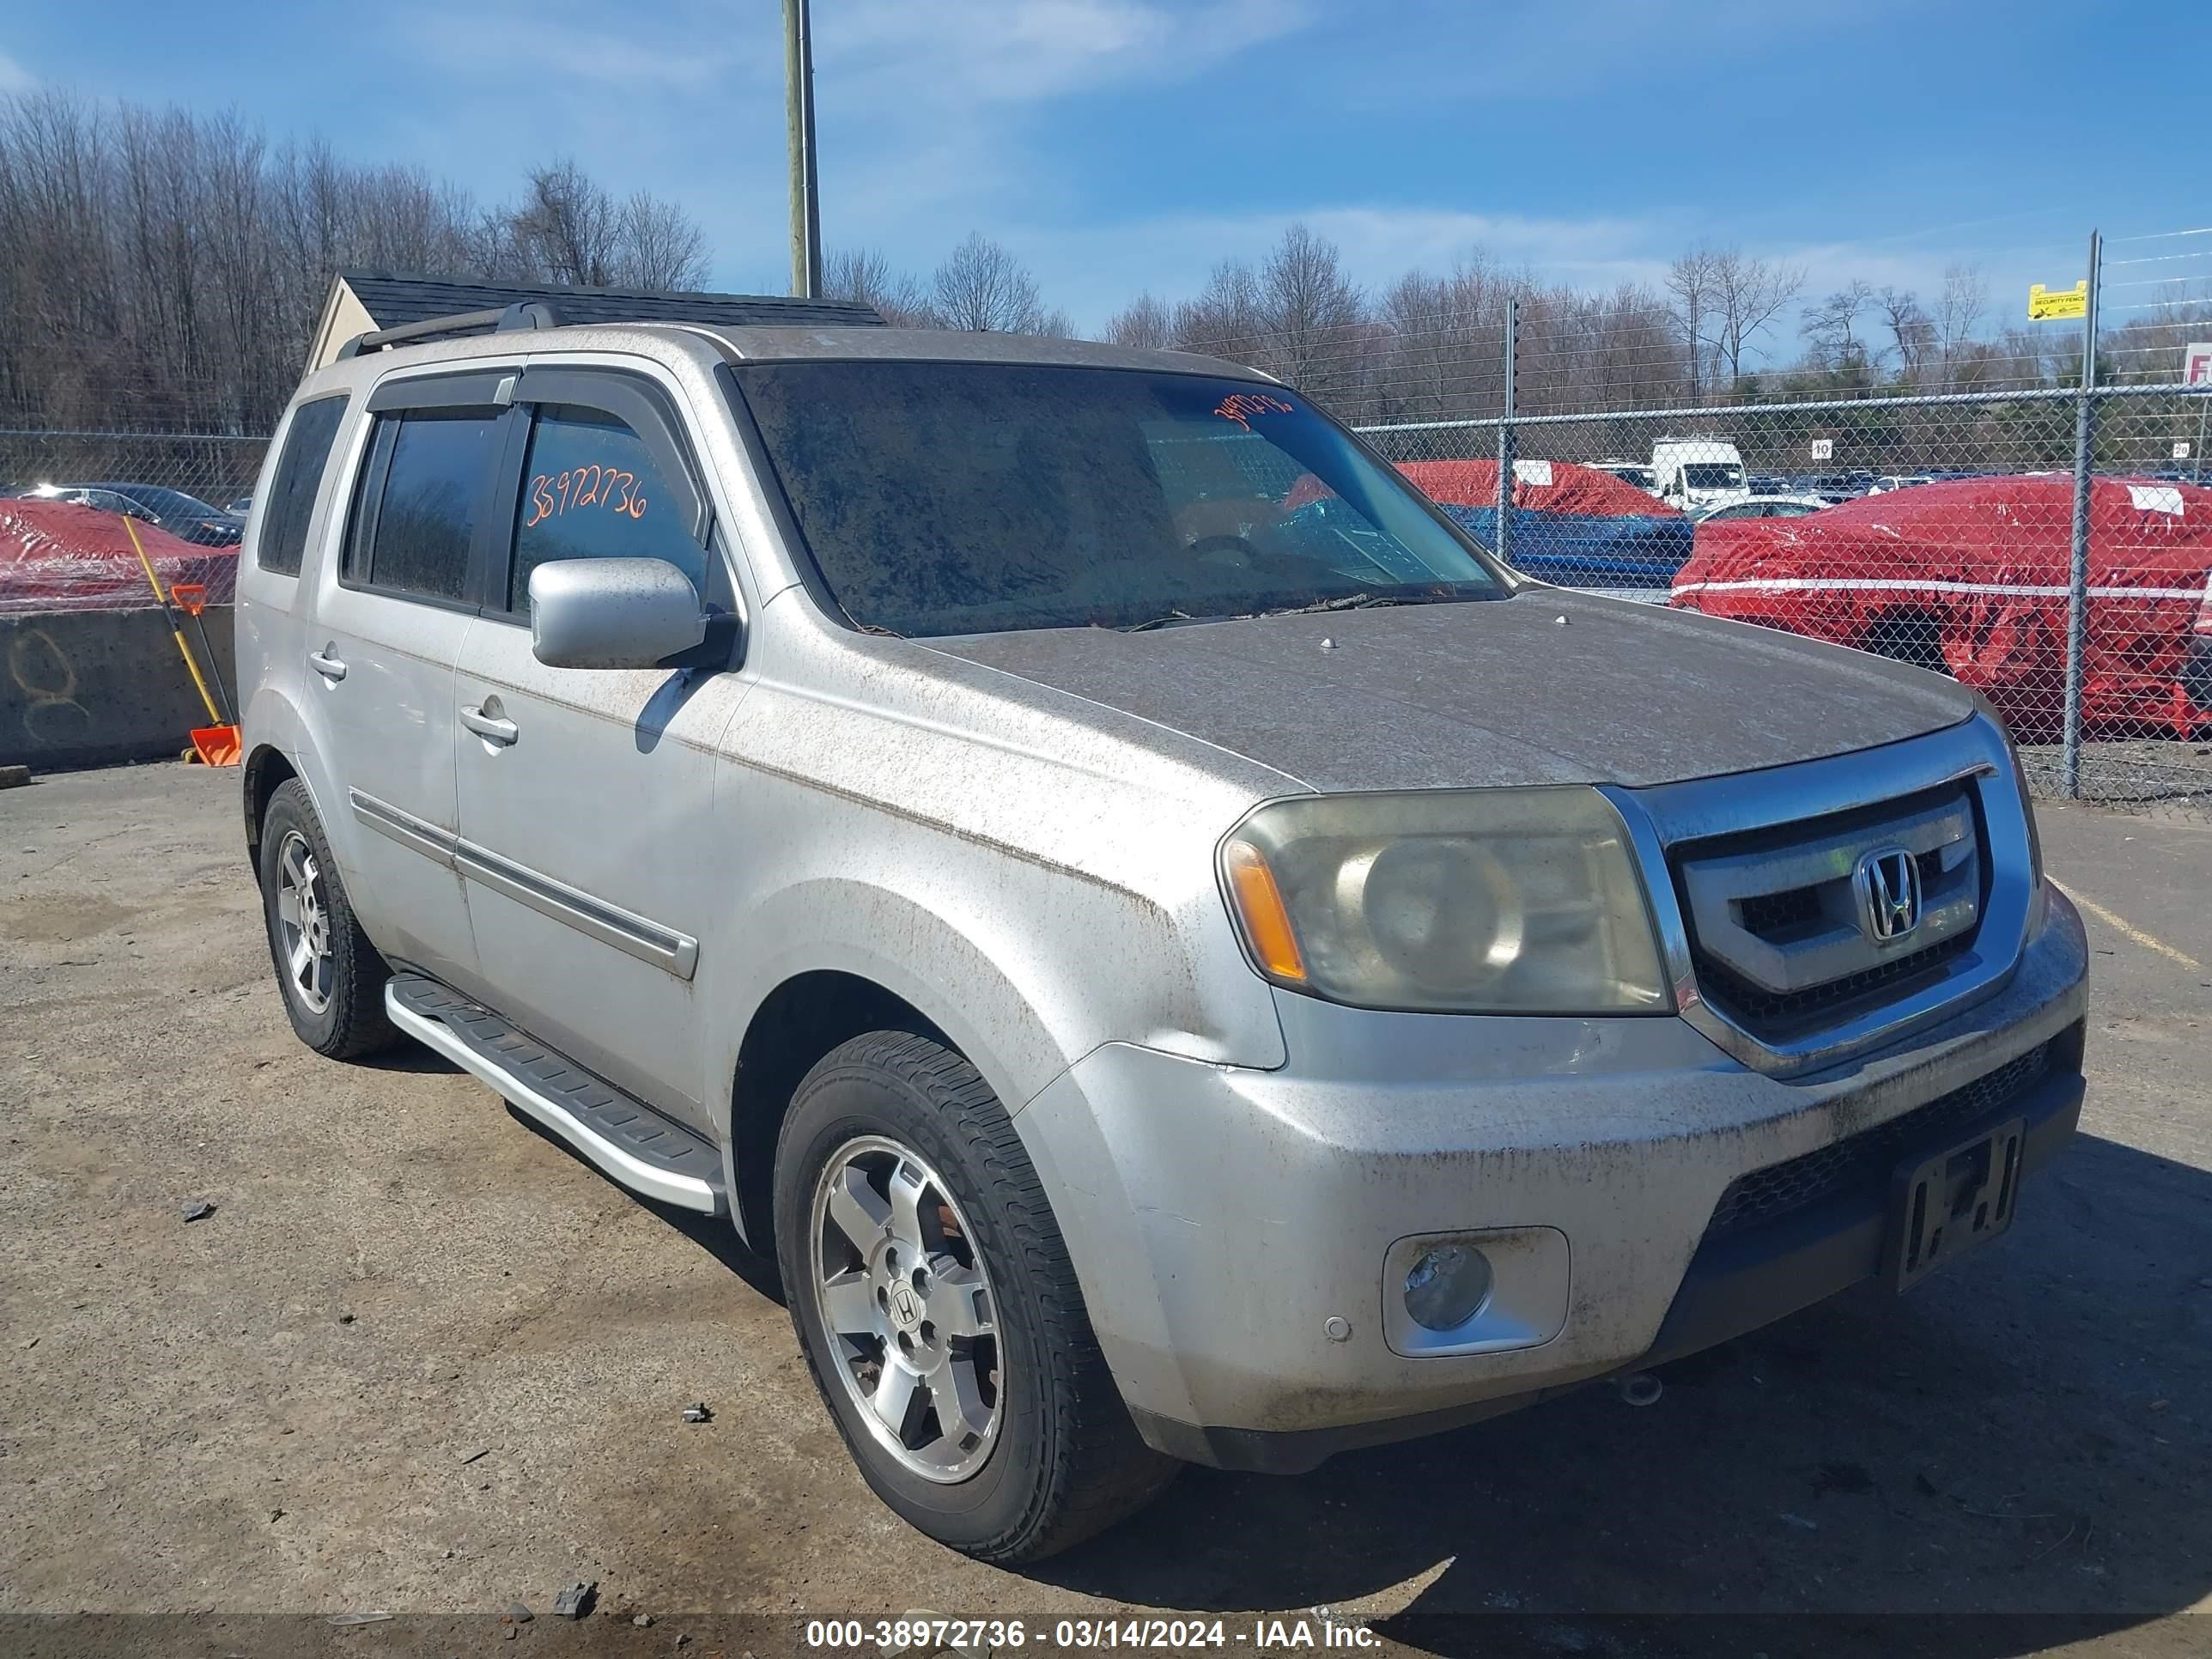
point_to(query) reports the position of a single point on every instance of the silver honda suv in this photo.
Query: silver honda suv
(1176, 953)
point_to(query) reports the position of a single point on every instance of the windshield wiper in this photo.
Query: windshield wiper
(1359, 602)
(1340, 602)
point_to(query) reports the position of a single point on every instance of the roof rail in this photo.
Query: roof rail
(533, 313)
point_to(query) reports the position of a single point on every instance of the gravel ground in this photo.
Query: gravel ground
(420, 1359)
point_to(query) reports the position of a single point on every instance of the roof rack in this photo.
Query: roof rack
(500, 319)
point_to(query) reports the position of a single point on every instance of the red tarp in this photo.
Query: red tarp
(55, 556)
(1976, 570)
(1538, 486)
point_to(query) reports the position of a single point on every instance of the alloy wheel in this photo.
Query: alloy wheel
(907, 1308)
(303, 923)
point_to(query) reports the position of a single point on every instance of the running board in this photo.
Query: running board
(653, 1156)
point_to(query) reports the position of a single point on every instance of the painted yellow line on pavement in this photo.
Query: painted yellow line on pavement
(2124, 926)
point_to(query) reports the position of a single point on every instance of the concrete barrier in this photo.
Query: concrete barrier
(91, 688)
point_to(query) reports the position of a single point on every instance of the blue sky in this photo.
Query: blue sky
(1122, 144)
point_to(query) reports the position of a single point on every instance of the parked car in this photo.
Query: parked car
(1888, 481)
(1761, 506)
(1169, 974)
(1971, 577)
(65, 555)
(1576, 526)
(239, 506)
(185, 517)
(1631, 472)
(1836, 487)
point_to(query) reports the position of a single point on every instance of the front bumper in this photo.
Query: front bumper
(1229, 1227)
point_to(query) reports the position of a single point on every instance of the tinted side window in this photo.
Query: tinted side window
(434, 489)
(291, 501)
(590, 490)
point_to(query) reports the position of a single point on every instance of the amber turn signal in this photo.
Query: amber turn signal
(1260, 906)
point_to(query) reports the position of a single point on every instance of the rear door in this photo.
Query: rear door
(589, 841)
(391, 612)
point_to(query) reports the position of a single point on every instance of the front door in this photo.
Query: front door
(588, 838)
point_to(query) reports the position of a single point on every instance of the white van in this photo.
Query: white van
(1696, 474)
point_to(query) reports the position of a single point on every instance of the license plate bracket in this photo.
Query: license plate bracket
(1945, 1206)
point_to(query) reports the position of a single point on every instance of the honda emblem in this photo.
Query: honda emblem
(1888, 881)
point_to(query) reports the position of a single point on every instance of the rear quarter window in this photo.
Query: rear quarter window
(291, 500)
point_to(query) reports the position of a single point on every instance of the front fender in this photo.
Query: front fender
(893, 941)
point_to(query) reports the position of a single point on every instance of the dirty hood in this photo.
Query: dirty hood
(1544, 687)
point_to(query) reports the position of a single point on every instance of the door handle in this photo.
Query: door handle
(486, 724)
(327, 665)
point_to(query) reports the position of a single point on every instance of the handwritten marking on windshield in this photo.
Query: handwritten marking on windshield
(1241, 406)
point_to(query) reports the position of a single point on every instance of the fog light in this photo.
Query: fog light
(1447, 1286)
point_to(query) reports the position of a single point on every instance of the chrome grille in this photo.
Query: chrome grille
(1777, 929)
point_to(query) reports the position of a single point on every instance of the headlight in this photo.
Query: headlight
(1476, 901)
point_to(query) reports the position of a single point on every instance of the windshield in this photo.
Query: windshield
(1712, 475)
(958, 498)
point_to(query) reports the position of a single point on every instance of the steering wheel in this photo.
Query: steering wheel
(1232, 551)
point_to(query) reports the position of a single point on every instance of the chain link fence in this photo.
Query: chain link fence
(218, 471)
(66, 497)
(2050, 549)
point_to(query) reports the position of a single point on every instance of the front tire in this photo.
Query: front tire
(332, 977)
(939, 1312)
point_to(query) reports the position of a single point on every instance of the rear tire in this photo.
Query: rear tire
(330, 977)
(1041, 1453)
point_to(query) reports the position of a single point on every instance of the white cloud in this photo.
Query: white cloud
(666, 49)
(14, 77)
(956, 53)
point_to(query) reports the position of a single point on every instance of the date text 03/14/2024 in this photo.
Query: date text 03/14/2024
(927, 1633)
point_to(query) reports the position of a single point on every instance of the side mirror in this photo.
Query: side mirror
(612, 613)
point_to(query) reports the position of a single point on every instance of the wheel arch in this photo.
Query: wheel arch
(874, 959)
(266, 771)
(798, 1022)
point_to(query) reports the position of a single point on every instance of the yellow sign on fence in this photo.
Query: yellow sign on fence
(2047, 306)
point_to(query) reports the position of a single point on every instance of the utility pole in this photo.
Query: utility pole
(1502, 539)
(2077, 585)
(798, 109)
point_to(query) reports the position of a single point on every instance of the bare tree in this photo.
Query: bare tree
(1310, 313)
(567, 226)
(1912, 336)
(1691, 280)
(1958, 312)
(865, 276)
(657, 246)
(1443, 335)
(160, 269)
(1746, 295)
(1143, 322)
(571, 230)
(1224, 320)
(1833, 329)
(982, 285)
